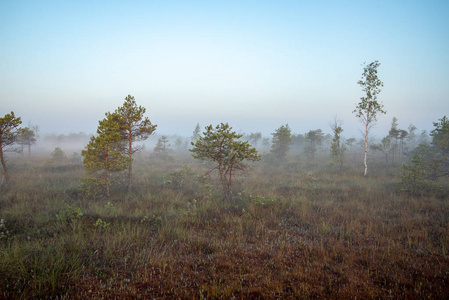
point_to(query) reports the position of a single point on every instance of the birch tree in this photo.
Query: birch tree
(368, 109)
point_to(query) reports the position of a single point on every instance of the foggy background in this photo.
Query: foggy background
(254, 64)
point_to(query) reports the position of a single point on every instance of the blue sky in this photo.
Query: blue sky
(254, 64)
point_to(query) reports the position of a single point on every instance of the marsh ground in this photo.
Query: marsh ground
(296, 229)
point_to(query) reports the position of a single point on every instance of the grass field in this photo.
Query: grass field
(295, 230)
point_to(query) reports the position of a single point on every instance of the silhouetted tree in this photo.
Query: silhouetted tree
(368, 108)
(428, 159)
(413, 175)
(179, 143)
(350, 143)
(384, 146)
(315, 138)
(402, 135)
(27, 138)
(266, 143)
(282, 139)
(423, 137)
(58, 155)
(254, 137)
(411, 134)
(394, 135)
(440, 135)
(196, 133)
(162, 148)
(440, 141)
(298, 141)
(434, 157)
(337, 148)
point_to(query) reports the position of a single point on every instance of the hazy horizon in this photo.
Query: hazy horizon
(256, 65)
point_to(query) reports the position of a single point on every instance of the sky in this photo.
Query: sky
(254, 64)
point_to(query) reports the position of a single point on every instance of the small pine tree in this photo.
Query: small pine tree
(337, 148)
(162, 148)
(413, 175)
(27, 137)
(58, 155)
(196, 133)
(8, 136)
(254, 137)
(221, 145)
(179, 143)
(384, 146)
(282, 139)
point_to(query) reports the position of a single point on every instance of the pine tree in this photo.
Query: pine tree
(58, 155)
(27, 137)
(282, 139)
(134, 127)
(315, 137)
(221, 145)
(440, 135)
(384, 146)
(394, 134)
(413, 175)
(254, 137)
(162, 147)
(104, 154)
(196, 133)
(440, 143)
(337, 147)
(179, 143)
(8, 136)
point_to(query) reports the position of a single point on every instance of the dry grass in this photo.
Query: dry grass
(292, 233)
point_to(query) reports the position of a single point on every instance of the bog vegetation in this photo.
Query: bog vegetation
(296, 226)
(225, 215)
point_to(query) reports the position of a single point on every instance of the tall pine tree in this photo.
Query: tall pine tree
(134, 127)
(104, 154)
